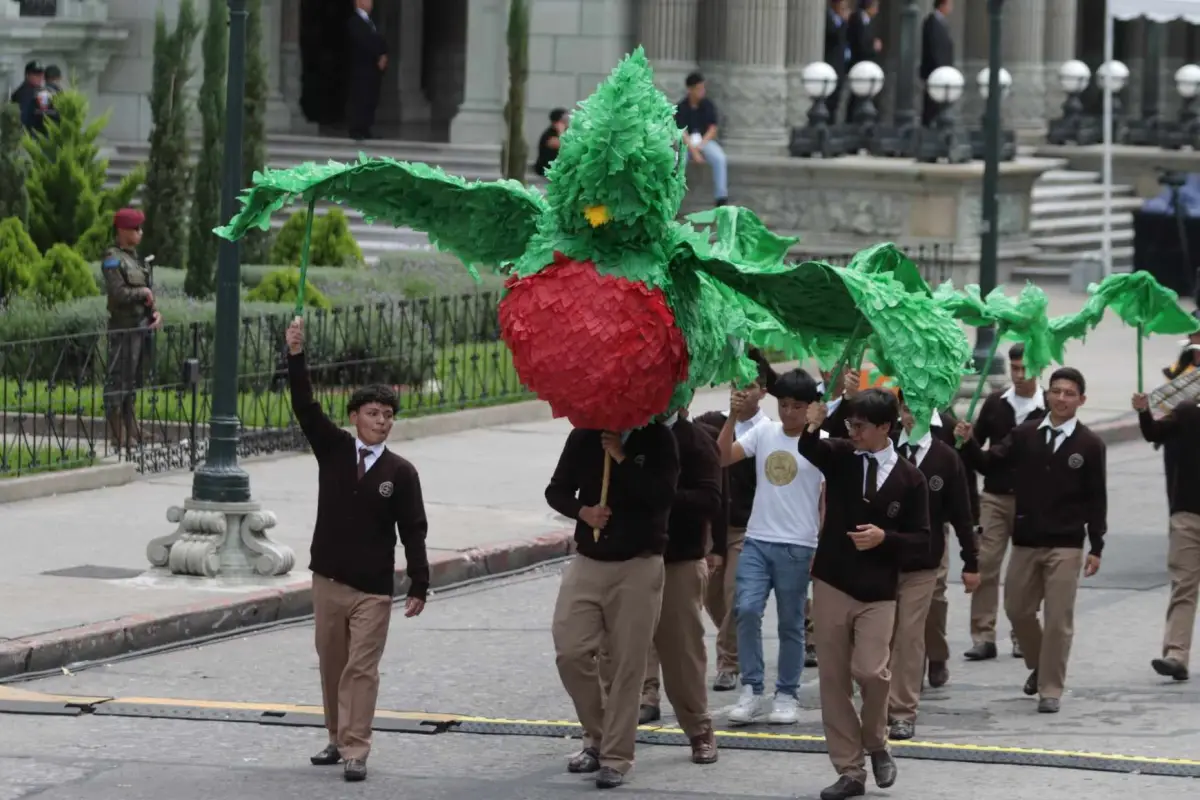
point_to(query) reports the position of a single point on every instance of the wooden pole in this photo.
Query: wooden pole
(603, 490)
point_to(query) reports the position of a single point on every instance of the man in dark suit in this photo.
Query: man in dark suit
(864, 44)
(837, 50)
(937, 50)
(876, 510)
(368, 60)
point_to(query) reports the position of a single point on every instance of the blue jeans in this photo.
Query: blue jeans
(762, 567)
(714, 156)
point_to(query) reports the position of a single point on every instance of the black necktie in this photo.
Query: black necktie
(363, 452)
(911, 453)
(1051, 437)
(872, 479)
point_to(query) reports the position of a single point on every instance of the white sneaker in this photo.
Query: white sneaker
(750, 707)
(785, 710)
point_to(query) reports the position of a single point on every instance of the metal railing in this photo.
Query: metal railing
(934, 261)
(61, 398)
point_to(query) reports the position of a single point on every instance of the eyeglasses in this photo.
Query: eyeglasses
(853, 425)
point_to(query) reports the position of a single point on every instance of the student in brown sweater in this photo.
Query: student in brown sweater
(876, 509)
(1001, 412)
(1181, 430)
(611, 592)
(1060, 486)
(920, 567)
(365, 494)
(678, 650)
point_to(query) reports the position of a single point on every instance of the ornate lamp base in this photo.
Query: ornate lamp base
(221, 539)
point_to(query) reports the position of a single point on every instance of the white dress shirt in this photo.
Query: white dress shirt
(1066, 429)
(885, 458)
(1024, 406)
(374, 451)
(923, 445)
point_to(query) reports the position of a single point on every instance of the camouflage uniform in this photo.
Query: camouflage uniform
(125, 283)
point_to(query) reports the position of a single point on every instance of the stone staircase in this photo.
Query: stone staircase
(1067, 223)
(479, 162)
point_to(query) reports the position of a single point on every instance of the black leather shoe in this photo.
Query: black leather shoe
(725, 682)
(356, 770)
(327, 757)
(939, 675)
(585, 761)
(884, 768)
(984, 651)
(1030, 687)
(901, 730)
(648, 714)
(609, 778)
(1016, 650)
(1170, 668)
(1048, 705)
(810, 656)
(845, 787)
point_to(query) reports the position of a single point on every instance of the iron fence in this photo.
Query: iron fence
(60, 398)
(934, 261)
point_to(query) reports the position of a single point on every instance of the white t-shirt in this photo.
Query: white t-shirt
(787, 499)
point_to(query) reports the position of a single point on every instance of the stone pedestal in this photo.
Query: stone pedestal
(221, 539)
(668, 31)
(805, 45)
(755, 91)
(840, 205)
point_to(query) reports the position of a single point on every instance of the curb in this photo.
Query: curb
(48, 484)
(1119, 430)
(131, 634)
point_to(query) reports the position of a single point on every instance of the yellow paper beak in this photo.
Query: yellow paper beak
(596, 215)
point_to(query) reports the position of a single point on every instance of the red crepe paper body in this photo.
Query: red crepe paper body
(603, 351)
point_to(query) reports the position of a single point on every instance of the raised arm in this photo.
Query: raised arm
(408, 505)
(812, 445)
(562, 493)
(998, 455)
(322, 433)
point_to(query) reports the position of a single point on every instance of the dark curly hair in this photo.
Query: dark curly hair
(374, 393)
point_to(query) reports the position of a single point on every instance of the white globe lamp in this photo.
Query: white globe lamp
(1187, 81)
(1112, 75)
(983, 80)
(866, 79)
(820, 80)
(945, 85)
(1074, 76)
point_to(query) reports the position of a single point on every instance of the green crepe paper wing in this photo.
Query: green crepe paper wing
(488, 223)
(886, 257)
(742, 238)
(1138, 299)
(1021, 320)
(923, 345)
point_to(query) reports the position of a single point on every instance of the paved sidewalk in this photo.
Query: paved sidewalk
(487, 515)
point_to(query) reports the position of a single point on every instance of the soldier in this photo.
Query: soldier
(131, 313)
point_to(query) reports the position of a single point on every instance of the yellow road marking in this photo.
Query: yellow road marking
(12, 693)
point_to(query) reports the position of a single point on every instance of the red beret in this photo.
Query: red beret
(128, 219)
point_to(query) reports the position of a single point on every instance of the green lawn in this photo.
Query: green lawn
(18, 458)
(467, 376)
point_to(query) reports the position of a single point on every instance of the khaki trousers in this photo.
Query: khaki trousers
(1183, 567)
(853, 646)
(997, 513)
(609, 606)
(937, 648)
(1049, 574)
(678, 649)
(907, 664)
(718, 600)
(351, 631)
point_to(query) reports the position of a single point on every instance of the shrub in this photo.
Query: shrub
(18, 259)
(332, 243)
(14, 166)
(256, 243)
(63, 275)
(283, 286)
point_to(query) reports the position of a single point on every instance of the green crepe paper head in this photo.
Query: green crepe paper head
(624, 153)
(1138, 299)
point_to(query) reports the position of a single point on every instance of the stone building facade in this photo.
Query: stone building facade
(450, 67)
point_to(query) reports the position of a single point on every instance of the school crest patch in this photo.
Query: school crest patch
(893, 510)
(386, 488)
(639, 461)
(1075, 461)
(936, 483)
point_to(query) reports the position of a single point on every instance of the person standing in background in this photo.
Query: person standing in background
(368, 61)
(837, 51)
(25, 95)
(937, 50)
(548, 142)
(864, 44)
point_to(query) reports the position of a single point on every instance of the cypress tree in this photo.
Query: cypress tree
(255, 244)
(515, 152)
(14, 166)
(202, 244)
(168, 176)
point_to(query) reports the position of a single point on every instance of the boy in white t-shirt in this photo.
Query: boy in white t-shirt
(780, 540)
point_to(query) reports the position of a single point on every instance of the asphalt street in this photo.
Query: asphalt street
(486, 651)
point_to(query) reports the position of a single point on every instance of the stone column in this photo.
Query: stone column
(480, 118)
(414, 107)
(1023, 26)
(974, 55)
(668, 31)
(1174, 58)
(755, 114)
(805, 44)
(291, 68)
(712, 16)
(1061, 29)
(278, 114)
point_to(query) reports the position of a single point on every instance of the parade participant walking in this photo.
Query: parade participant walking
(876, 509)
(920, 567)
(1001, 412)
(612, 591)
(132, 315)
(780, 540)
(1061, 493)
(678, 649)
(1180, 429)
(365, 494)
